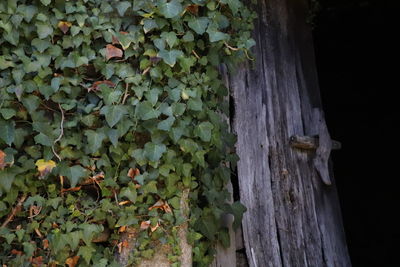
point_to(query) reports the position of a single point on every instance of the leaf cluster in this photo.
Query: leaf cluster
(106, 108)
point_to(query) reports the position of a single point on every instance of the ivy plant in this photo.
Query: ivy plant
(109, 110)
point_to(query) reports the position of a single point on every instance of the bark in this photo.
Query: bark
(293, 216)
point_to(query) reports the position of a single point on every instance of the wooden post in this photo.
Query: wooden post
(293, 216)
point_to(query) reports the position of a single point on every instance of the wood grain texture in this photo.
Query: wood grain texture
(293, 218)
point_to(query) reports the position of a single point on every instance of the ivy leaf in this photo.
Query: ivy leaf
(44, 30)
(45, 2)
(199, 25)
(203, 130)
(74, 173)
(170, 9)
(216, 35)
(64, 26)
(86, 252)
(238, 210)
(170, 38)
(45, 167)
(165, 125)
(234, 5)
(122, 7)
(195, 104)
(43, 140)
(129, 192)
(170, 57)
(154, 151)
(95, 140)
(113, 114)
(7, 113)
(7, 131)
(145, 111)
(6, 180)
(112, 51)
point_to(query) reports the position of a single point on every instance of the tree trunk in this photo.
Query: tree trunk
(293, 216)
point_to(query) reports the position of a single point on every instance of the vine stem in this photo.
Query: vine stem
(61, 132)
(14, 211)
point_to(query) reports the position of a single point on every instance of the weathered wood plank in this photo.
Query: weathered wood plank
(293, 219)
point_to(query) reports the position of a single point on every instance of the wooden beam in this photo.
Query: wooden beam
(310, 142)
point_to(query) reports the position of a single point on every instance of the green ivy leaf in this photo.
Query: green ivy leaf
(113, 114)
(203, 130)
(74, 173)
(45, 2)
(165, 125)
(154, 151)
(170, 9)
(7, 131)
(199, 25)
(145, 111)
(122, 7)
(86, 252)
(95, 140)
(43, 30)
(170, 57)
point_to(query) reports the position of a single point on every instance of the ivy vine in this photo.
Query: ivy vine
(109, 110)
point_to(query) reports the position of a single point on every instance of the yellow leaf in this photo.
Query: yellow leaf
(45, 167)
(64, 26)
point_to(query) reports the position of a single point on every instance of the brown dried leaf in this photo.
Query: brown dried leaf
(2, 162)
(194, 9)
(122, 229)
(64, 26)
(167, 208)
(45, 244)
(158, 205)
(152, 229)
(112, 51)
(16, 252)
(132, 173)
(145, 224)
(72, 189)
(37, 261)
(73, 261)
(95, 85)
(121, 203)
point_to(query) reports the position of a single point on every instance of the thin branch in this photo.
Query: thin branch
(125, 94)
(61, 132)
(14, 211)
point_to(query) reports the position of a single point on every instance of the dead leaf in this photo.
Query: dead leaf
(73, 261)
(167, 208)
(194, 9)
(37, 261)
(121, 245)
(72, 189)
(45, 243)
(161, 204)
(112, 51)
(153, 228)
(45, 167)
(145, 224)
(124, 202)
(132, 173)
(2, 157)
(122, 229)
(95, 85)
(64, 26)
(16, 252)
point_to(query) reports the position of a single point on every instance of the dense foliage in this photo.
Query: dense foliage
(108, 111)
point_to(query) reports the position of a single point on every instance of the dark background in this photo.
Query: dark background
(358, 66)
